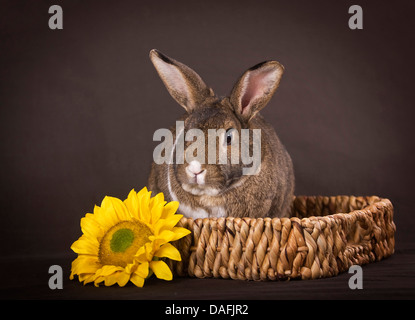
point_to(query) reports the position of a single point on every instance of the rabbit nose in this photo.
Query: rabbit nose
(195, 167)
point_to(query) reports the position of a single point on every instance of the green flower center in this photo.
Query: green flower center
(121, 240)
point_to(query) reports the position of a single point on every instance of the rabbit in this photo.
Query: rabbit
(206, 190)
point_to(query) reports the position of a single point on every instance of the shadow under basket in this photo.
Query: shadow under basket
(324, 237)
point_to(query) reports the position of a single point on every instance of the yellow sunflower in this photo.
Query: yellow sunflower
(125, 240)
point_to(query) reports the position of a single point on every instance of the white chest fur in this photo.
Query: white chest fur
(196, 213)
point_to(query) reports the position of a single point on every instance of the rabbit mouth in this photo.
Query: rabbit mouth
(197, 190)
(195, 173)
(195, 180)
(196, 184)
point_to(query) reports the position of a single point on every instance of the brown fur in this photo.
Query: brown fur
(269, 193)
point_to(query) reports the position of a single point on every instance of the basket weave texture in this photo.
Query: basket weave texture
(324, 237)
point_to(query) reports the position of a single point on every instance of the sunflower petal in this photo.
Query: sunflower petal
(144, 210)
(86, 245)
(86, 278)
(142, 270)
(140, 256)
(96, 209)
(106, 215)
(179, 232)
(137, 280)
(85, 264)
(132, 204)
(161, 270)
(142, 192)
(110, 280)
(167, 224)
(157, 199)
(120, 209)
(90, 227)
(159, 225)
(98, 280)
(170, 209)
(156, 212)
(123, 278)
(108, 270)
(168, 251)
(166, 235)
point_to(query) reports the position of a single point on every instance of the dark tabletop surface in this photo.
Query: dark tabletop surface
(392, 278)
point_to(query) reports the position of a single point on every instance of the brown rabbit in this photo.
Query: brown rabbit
(221, 189)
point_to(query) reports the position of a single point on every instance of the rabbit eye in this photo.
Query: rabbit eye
(229, 134)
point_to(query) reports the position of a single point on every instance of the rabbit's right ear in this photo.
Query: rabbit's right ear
(255, 88)
(183, 84)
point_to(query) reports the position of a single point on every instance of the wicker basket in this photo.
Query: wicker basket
(318, 241)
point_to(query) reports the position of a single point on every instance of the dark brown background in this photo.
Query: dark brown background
(79, 106)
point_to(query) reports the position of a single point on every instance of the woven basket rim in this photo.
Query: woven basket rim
(303, 246)
(371, 199)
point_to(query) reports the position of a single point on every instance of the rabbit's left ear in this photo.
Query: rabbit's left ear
(183, 84)
(255, 88)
